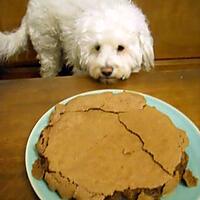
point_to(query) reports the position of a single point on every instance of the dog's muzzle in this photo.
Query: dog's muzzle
(107, 71)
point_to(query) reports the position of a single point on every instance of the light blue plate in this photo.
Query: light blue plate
(178, 118)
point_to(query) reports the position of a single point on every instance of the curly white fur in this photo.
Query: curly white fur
(93, 35)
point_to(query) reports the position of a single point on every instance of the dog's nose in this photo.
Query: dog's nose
(107, 71)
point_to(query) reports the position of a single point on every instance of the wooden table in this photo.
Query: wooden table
(22, 103)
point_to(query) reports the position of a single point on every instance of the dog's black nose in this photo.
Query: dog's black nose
(107, 71)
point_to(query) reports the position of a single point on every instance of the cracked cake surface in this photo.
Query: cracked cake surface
(101, 144)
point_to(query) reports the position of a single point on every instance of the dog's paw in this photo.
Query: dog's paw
(48, 74)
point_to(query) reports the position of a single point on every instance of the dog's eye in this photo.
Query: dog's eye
(97, 47)
(120, 48)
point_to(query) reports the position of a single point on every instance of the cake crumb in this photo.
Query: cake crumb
(189, 179)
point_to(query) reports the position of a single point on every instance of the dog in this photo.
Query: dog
(108, 39)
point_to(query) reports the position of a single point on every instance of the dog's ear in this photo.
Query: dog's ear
(146, 45)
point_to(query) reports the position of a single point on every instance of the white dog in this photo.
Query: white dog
(109, 39)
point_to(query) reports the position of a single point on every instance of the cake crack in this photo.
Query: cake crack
(130, 131)
(100, 109)
(146, 150)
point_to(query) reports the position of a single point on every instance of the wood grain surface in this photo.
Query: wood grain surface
(23, 102)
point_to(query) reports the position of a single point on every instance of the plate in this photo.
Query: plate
(178, 118)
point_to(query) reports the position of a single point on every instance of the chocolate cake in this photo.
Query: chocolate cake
(111, 147)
